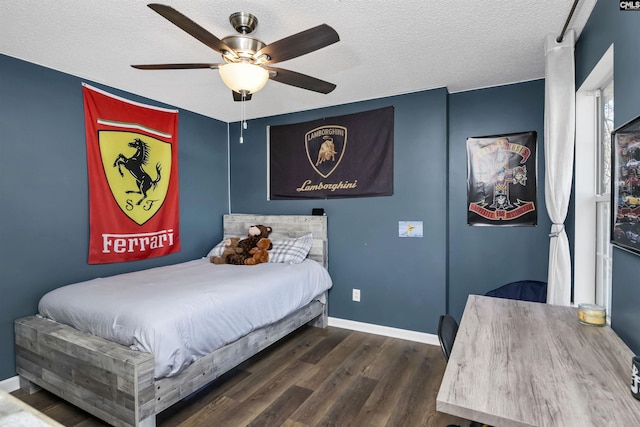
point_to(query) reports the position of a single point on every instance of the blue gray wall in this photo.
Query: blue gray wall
(44, 215)
(484, 258)
(402, 280)
(608, 25)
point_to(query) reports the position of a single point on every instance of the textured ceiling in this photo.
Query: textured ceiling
(386, 48)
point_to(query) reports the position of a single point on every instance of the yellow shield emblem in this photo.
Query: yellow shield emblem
(138, 168)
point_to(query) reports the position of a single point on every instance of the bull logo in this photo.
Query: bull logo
(325, 148)
(327, 151)
(137, 168)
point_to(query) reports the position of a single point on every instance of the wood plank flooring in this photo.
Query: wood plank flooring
(314, 377)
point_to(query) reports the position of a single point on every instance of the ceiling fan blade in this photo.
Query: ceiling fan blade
(238, 96)
(190, 27)
(174, 66)
(300, 44)
(300, 80)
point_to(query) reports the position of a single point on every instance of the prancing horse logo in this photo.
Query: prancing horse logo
(134, 165)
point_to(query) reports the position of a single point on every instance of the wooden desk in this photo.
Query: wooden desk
(15, 413)
(517, 363)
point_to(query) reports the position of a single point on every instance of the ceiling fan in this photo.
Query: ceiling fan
(247, 65)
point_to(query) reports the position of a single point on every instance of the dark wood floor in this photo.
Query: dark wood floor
(314, 377)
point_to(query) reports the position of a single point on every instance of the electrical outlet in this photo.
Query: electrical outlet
(356, 295)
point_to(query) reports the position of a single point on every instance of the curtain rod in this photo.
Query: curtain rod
(566, 23)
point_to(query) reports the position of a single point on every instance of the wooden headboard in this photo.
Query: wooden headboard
(237, 225)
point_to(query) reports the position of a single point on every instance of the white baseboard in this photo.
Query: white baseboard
(10, 384)
(387, 331)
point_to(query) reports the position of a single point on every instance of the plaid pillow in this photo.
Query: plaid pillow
(292, 251)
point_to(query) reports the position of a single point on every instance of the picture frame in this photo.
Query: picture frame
(625, 186)
(502, 180)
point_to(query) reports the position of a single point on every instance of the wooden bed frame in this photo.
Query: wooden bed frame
(115, 383)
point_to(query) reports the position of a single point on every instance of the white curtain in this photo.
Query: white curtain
(559, 134)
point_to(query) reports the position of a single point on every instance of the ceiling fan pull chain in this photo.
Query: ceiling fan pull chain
(244, 110)
(243, 122)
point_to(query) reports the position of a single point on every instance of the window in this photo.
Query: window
(604, 121)
(592, 247)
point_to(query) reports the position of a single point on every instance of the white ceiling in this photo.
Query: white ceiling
(386, 48)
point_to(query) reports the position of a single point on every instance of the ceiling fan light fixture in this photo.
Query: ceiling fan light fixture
(242, 76)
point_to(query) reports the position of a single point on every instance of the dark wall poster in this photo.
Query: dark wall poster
(625, 186)
(501, 180)
(337, 157)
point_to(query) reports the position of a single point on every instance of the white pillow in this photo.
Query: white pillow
(290, 250)
(217, 249)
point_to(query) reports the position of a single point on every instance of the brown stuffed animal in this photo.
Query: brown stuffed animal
(256, 232)
(259, 254)
(231, 247)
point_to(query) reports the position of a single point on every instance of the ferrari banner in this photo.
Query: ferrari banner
(132, 159)
(346, 156)
(501, 180)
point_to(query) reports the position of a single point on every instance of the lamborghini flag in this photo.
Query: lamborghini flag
(337, 157)
(132, 162)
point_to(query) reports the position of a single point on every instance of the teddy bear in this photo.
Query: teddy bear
(231, 247)
(259, 253)
(256, 232)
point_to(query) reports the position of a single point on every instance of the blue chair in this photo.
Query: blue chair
(523, 290)
(447, 331)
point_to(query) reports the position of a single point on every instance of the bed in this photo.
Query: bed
(121, 383)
